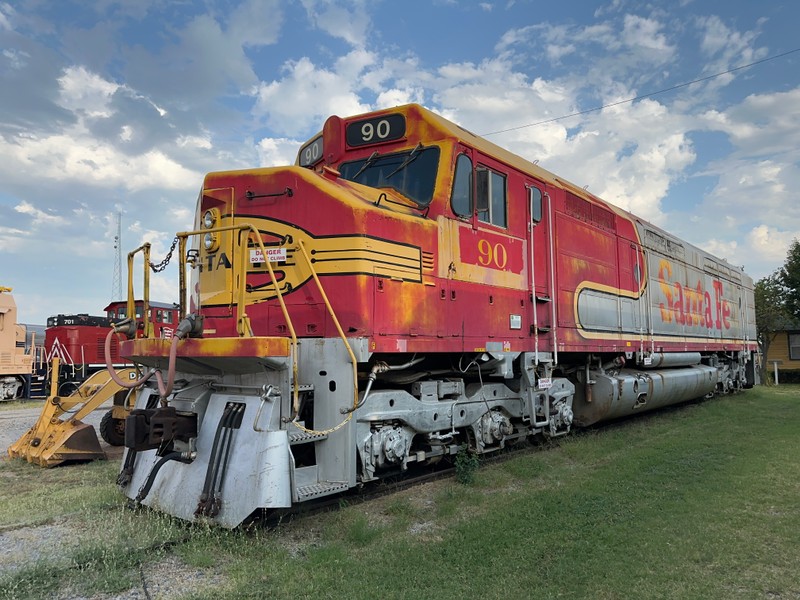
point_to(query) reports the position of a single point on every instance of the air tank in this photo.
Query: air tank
(659, 360)
(629, 391)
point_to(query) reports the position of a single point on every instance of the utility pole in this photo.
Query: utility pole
(116, 285)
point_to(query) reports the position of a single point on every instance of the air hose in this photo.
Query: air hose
(191, 324)
(145, 489)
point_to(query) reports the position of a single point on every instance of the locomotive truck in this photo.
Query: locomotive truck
(405, 292)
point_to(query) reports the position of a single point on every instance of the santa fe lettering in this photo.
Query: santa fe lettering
(695, 306)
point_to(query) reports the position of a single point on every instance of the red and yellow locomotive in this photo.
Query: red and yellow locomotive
(407, 291)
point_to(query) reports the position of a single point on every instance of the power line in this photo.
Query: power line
(669, 89)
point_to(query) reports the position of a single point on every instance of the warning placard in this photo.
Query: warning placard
(273, 255)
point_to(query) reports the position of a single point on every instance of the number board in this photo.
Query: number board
(491, 250)
(311, 153)
(376, 130)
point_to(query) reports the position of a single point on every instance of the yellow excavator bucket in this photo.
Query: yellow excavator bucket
(59, 435)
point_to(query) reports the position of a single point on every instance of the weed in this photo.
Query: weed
(361, 533)
(467, 463)
(399, 506)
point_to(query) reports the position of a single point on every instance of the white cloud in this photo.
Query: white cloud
(202, 142)
(761, 175)
(85, 92)
(76, 156)
(639, 32)
(12, 239)
(725, 47)
(720, 247)
(396, 97)
(770, 243)
(632, 159)
(348, 21)
(307, 94)
(761, 123)
(273, 152)
(6, 10)
(17, 59)
(39, 217)
(721, 40)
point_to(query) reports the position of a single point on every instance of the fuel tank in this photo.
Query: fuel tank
(629, 391)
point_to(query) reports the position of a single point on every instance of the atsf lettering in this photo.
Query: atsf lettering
(692, 306)
(214, 262)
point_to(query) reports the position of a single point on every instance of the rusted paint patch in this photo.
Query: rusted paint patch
(199, 348)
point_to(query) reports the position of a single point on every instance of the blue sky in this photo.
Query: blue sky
(123, 105)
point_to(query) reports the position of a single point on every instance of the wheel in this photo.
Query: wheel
(112, 430)
(20, 389)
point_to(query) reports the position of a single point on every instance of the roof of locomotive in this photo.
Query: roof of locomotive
(151, 303)
(495, 151)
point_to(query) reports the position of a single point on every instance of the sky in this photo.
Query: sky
(119, 107)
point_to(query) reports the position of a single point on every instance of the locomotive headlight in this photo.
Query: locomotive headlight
(209, 241)
(210, 218)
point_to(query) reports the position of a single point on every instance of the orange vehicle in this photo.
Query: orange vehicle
(18, 360)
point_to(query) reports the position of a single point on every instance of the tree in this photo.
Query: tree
(790, 279)
(771, 313)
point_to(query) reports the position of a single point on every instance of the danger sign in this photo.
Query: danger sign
(273, 255)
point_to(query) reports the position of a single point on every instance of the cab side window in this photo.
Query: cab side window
(535, 199)
(461, 200)
(491, 197)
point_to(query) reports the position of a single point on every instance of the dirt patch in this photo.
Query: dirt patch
(24, 546)
(166, 579)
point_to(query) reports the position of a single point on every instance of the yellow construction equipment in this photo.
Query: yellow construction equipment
(59, 435)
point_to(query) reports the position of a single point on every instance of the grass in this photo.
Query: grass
(698, 501)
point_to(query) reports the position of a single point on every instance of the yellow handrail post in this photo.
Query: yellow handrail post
(148, 327)
(182, 278)
(131, 304)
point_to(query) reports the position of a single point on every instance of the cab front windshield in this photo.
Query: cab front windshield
(412, 173)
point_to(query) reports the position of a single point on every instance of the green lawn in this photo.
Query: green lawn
(700, 501)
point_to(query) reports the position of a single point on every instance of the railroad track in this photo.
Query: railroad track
(375, 490)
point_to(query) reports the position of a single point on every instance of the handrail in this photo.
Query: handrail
(553, 297)
(243, 325)
(346, 344)
(131, 304)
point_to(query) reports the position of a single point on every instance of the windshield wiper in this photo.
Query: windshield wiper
(413, 155)
(366, 164)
